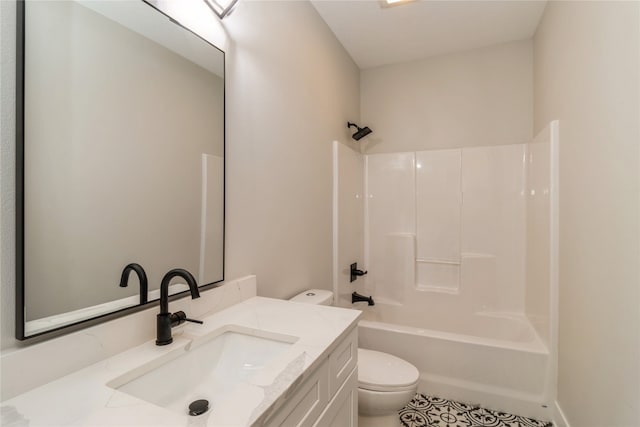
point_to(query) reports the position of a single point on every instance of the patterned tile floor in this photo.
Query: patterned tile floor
(429, 411)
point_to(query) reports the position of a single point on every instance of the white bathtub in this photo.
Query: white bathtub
(496, 361)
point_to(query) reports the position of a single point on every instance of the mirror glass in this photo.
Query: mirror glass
(123, 159)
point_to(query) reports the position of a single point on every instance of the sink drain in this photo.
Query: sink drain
(198, 407)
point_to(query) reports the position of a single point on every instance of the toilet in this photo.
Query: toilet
(386, 383)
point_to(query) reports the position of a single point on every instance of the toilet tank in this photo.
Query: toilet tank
(314, 296)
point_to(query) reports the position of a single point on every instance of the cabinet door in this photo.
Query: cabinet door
(342, 361)
(342, 411)
(307, 402)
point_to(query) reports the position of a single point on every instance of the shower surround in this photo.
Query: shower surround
(432, 214)
(458, 244)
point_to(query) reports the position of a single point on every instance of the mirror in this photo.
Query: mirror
(120, 159)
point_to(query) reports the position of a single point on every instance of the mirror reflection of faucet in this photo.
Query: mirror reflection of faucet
(142, 278)
(166, 320)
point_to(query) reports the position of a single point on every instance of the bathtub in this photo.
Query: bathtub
(494, 360)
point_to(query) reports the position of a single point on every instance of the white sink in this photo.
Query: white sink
(209, 367)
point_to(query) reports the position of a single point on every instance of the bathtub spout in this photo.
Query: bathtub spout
(356, 297)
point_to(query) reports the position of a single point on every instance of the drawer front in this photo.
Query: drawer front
(342, 361)
(307, 402)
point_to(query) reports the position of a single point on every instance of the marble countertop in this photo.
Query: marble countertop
(83, 398)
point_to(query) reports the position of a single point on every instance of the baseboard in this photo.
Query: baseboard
(559, 419)
(511, 401)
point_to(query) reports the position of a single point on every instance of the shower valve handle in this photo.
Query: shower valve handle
(355, 272)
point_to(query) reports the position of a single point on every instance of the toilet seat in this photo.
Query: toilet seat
(379, 371)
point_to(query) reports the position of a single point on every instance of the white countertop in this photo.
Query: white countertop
(84, 399)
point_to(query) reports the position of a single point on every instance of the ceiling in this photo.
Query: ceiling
(376, 36)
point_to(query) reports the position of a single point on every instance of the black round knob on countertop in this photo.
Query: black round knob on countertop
(198, 407)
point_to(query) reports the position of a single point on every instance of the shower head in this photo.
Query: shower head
(361, 132)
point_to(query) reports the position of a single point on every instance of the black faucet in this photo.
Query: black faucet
(142, 278)
(356, 297)
(165, 320)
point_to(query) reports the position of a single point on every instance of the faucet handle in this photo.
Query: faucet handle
(179, 317)
(354, 272)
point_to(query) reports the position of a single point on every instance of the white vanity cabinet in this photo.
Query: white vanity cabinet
(329, 397)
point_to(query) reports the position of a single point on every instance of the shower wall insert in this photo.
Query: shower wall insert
(460, 248)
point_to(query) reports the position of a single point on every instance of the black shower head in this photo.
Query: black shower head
(361, 132)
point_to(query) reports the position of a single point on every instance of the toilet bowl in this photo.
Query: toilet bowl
(386, 383)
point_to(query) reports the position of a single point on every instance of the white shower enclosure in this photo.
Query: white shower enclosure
(459, 247)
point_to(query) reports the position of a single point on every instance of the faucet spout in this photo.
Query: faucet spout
(165, 320)
(164, 287)
(356, 297)
(142, 278)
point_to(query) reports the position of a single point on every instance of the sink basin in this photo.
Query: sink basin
(209, 367)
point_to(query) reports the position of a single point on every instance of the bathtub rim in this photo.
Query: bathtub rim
(536, 346)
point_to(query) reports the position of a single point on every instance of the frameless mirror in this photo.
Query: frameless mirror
(120, 158)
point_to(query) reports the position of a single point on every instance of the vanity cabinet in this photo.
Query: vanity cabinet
(329, 397)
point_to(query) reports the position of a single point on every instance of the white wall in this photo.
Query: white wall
(586, 75)
(476, 98)
(290, 89)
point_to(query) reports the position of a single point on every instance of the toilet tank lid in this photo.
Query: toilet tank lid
(314, 296)
(384, 372)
